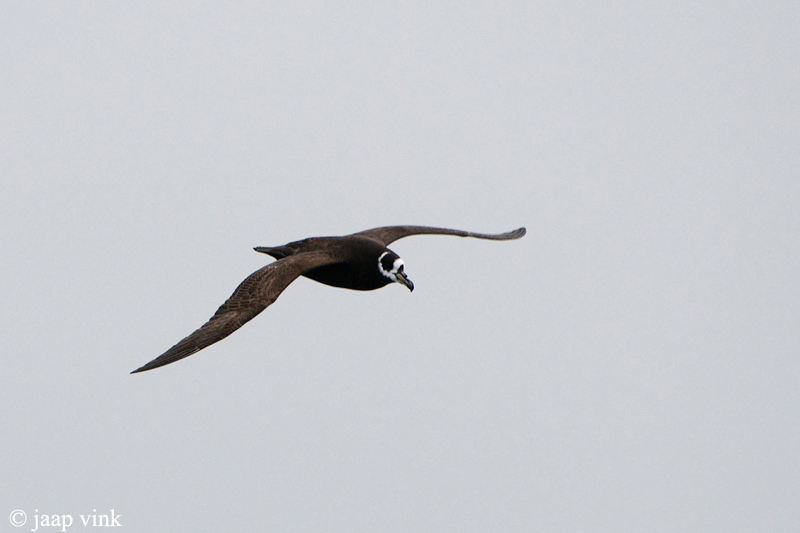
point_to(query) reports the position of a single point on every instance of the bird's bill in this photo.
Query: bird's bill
(402, 278)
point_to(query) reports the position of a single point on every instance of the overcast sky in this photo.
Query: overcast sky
(632, 364)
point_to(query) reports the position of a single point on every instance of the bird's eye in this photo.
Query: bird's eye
(400, 269)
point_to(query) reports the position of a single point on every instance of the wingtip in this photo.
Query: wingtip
(517, 233)
(155, 363)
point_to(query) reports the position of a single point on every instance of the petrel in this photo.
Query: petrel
(360, 261)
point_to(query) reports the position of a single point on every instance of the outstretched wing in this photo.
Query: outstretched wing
(252, 296)
(389, 234)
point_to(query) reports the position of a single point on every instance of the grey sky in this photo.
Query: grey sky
(630, 365)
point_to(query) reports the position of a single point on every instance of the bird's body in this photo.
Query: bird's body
(354, 259)
(360, 261)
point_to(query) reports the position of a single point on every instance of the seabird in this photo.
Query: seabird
(360, 261)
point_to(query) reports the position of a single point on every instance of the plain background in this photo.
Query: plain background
(630, 365)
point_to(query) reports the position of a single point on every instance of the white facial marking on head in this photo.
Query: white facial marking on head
(391, 274)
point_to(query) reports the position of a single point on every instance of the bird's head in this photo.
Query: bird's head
(391, 266)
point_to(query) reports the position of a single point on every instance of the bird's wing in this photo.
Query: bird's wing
(389, 234)
(252, 296)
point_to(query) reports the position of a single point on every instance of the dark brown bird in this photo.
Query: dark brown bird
(360, 261)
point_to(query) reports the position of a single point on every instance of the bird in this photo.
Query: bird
(360, 261)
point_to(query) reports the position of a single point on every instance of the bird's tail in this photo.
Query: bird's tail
(278, 252)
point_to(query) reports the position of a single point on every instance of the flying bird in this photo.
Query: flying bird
(360, 261)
